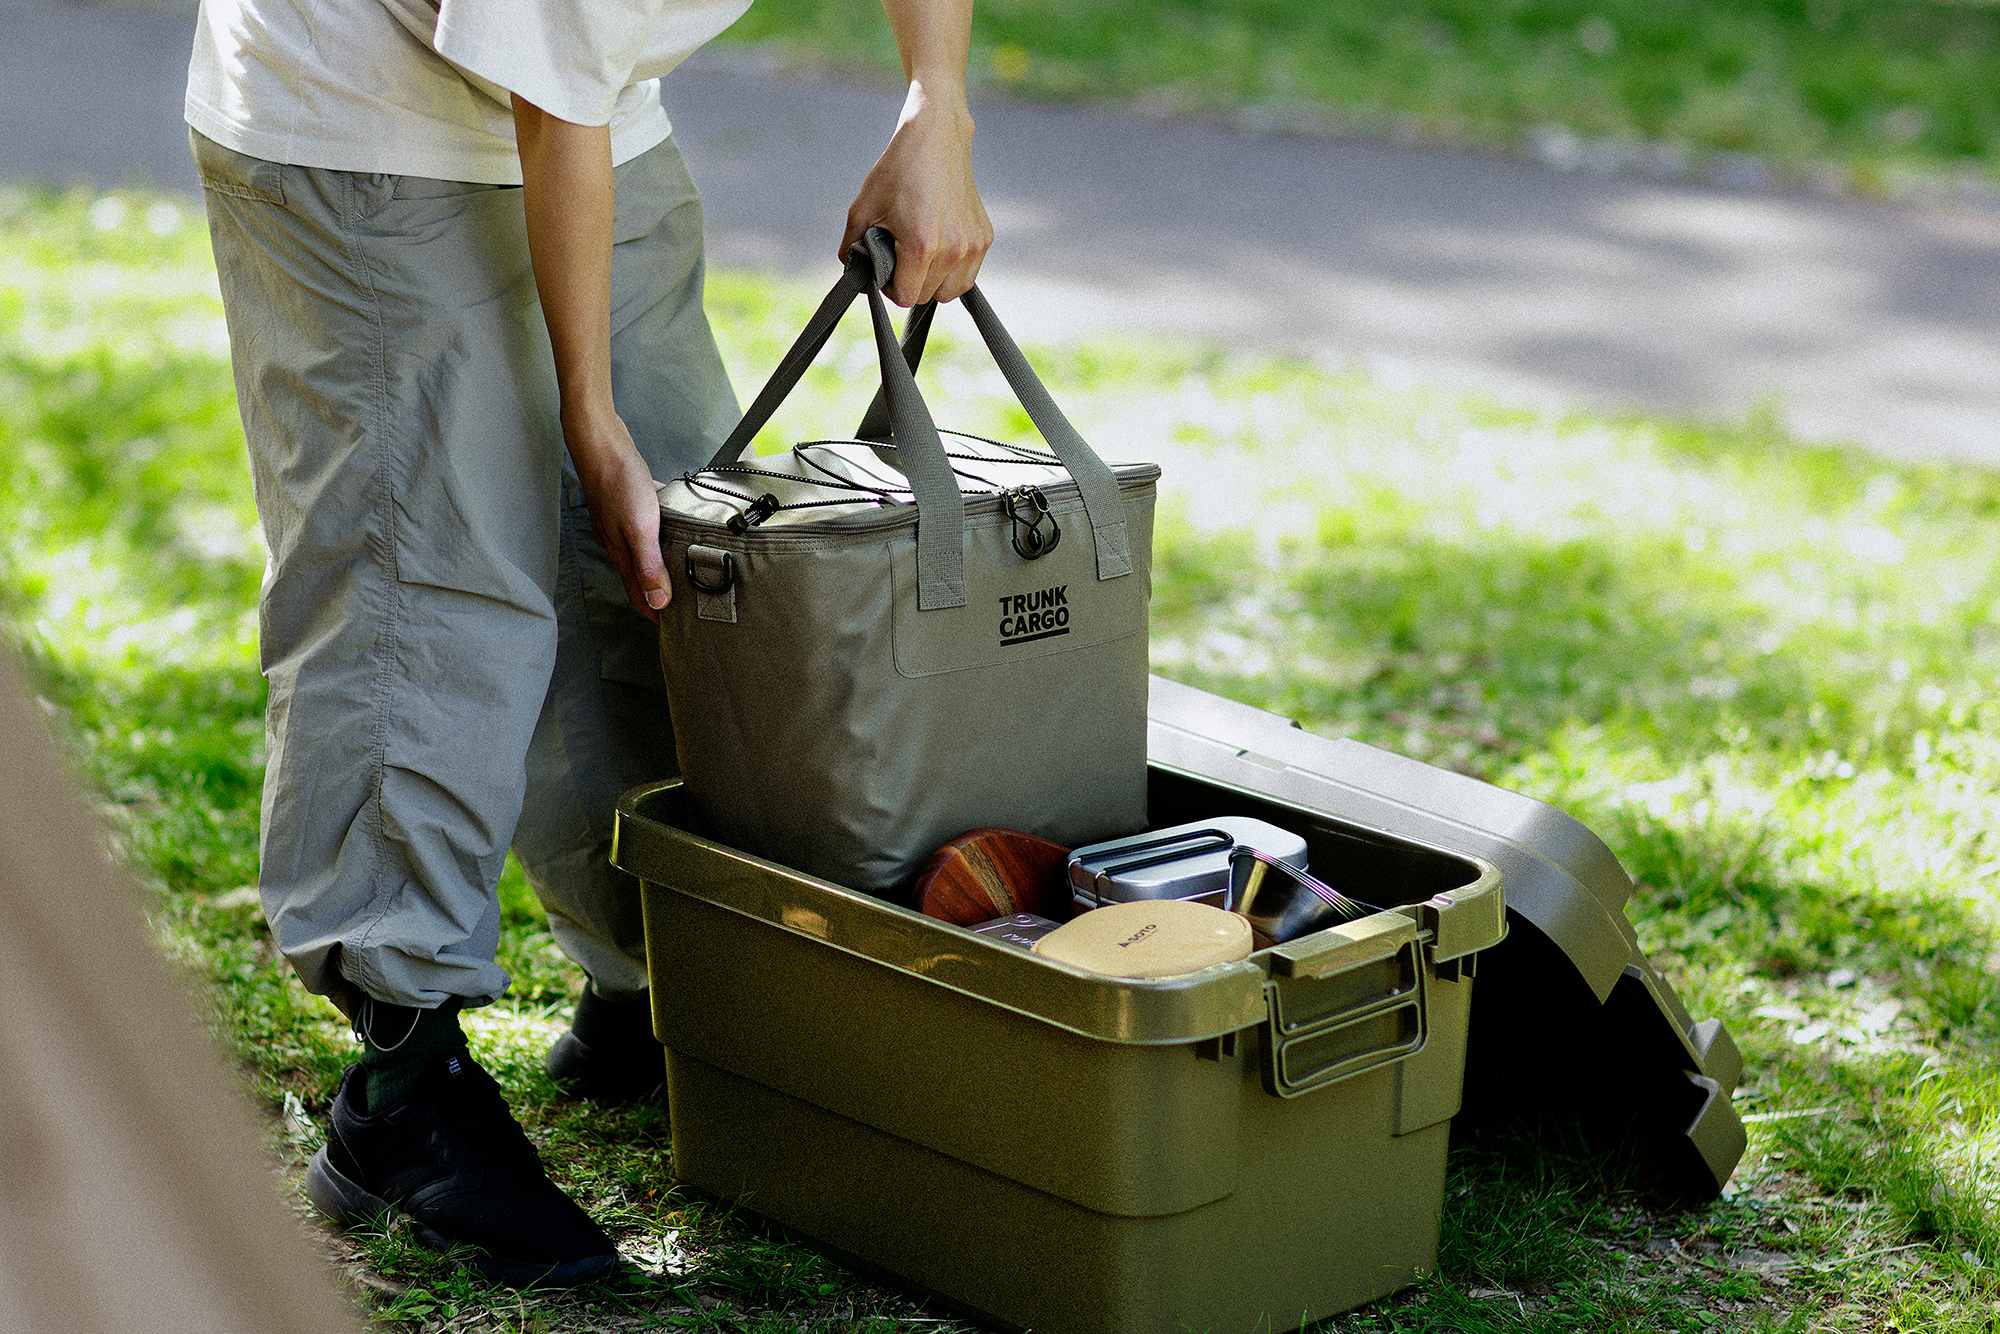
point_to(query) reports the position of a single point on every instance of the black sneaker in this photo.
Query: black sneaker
(609, 1053)
(452, 1157)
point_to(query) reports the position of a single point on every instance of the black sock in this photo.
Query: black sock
(395, 1042)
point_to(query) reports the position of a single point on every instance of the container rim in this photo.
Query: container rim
(1212, 1003)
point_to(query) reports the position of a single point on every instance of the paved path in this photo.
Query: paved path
(1861, 322)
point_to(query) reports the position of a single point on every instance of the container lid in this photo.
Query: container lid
(1569, 1018)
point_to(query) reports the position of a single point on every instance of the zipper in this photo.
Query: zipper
(891, 516)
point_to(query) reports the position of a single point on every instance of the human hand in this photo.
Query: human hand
(624, 510)
(921, 191)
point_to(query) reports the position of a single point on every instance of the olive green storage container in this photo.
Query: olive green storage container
(1252, 1147)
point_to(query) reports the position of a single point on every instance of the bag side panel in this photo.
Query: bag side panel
(801, 742)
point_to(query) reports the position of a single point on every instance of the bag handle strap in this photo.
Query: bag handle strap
(1094, 478)
(934, 486)
(855, 278)
(875, 426)
(940, 506)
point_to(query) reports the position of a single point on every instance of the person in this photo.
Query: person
(461, 265)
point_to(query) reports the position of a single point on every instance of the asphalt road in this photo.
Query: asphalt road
(1860, 322)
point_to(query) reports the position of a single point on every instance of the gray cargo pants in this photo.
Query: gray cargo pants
(453, 665)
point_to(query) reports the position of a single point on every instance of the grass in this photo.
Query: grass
(1765, 673)
(1845, 93)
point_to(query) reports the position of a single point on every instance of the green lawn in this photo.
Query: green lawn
(1765, 673)
(1836, 91)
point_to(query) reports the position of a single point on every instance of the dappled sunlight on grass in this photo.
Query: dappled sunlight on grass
(1765, 674)
(1535, 572)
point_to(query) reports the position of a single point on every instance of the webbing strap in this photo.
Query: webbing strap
(899, 413)
(1094, 479)
(940, 541)
(793, 365)
(916, 332)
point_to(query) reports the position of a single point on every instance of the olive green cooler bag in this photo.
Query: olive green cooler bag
(875, 645)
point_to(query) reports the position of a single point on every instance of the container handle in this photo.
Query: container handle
(1311, 1045)
(1157, 852)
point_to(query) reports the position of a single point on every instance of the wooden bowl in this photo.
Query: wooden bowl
(989, 873)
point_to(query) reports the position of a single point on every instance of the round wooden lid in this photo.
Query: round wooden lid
(1149, 938)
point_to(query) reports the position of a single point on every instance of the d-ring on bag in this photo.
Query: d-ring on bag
(876, 645)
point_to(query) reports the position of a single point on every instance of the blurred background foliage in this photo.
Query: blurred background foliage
(1844, 94)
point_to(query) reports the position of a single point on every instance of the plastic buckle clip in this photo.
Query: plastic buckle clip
(1030, 543)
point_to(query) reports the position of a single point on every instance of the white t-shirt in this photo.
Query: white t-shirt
(420, 87)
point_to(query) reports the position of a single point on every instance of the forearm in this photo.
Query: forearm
(567, 192)
(933, 37)
(921, 188)
(569, 197)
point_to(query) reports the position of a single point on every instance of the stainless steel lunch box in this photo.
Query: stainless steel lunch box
(1188, 861)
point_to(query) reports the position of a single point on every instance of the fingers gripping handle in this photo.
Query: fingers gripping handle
(877, 249)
